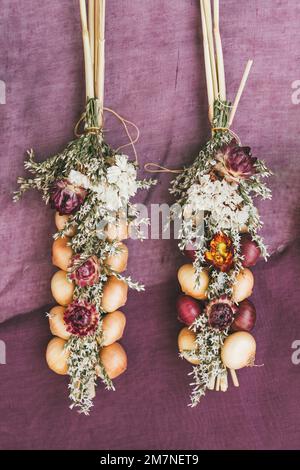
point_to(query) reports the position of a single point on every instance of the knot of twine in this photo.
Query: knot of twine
(98, 130)
(227, 129)
(155, 168)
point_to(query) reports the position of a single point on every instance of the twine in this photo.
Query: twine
(97, 130)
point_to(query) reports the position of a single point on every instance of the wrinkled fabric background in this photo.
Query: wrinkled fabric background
(155, 77)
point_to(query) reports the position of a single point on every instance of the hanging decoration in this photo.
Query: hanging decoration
(219, 235)
(90, 187)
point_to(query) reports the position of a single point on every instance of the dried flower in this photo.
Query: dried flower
(235, 162)
(220, 313)
(65, 197)
(86, 273)
(221, 252)
(81, 318)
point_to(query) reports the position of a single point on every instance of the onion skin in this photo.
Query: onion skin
(238, 350)
(188, 309)
(187, 342)
(62, 289)
(118, 231)
(190, 254)
(113, 326)
(249, 250)
(57, 324)
(245, 318)
(57, 357)
(114, 360)
(243, 286)
(61, 253)
(114, 294)
(60, 222)
(186, 278)
(118, 262)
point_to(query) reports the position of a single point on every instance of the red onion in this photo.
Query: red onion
(188, 309)
(245, 318)
(249, 250)
(190, 252)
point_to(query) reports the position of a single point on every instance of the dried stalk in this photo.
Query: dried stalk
(209, 82)
(240, 91)
(91, 23)
(219, 52)
(100, 71)
(234, 378)
(210, 37)
(87, 52)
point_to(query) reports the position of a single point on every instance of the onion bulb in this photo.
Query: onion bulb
(114, 294)
(118, 231)
(187, 280)
(57, 324)
(114, 360)
(238, 350)
(60, 222)
(62, 289)
(188, 309)
(249, 250)
(61, 253)
(187, 342)
(118, 261)
(57, 356)
(113, 326)
(243, 286)
(245, 318)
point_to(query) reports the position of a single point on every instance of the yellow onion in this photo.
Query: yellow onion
(118, 231)
(118, 261)
(238, 350)
(57, 356)
(62, 289)
(57, 324)
(114, 360)
(113, 326)
(243, 286)
(61, 253)
(114, 294)
(60, 222)
(187, 279)
(187, 342)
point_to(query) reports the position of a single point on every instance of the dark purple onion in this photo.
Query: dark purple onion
(249, 250)
(245, 318)
(188, 309)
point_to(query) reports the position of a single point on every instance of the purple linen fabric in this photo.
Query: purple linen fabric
(155, 77)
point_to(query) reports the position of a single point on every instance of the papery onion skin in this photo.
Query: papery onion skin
(114, 360)
(113, 326)
(238, 350)
(188, 309)
(243, 286)
(57, 324)
(61, 253)
(187, 342)
(245, 318)
(62, 289)
(118, 231)
(118, 261)
(250, 250)
(187, 279)
(114, 294)
(57, 356)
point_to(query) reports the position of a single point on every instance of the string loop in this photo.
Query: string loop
(125, 122)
